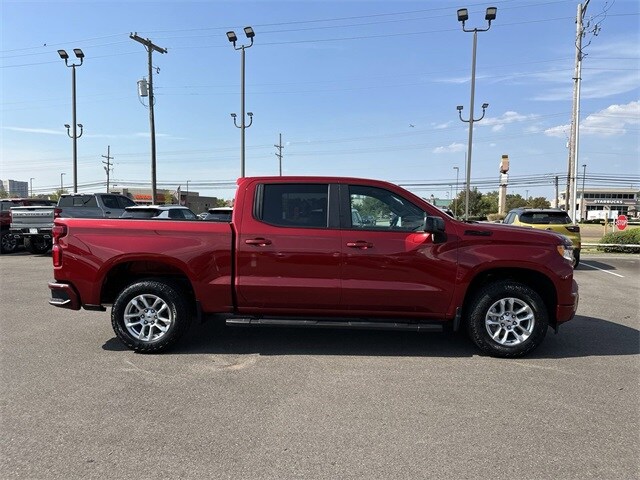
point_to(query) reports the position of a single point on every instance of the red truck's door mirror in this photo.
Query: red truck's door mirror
(435, 226)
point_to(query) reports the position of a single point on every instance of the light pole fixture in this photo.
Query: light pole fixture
(463, 16)
(231, 36)
(61, 184)
(455, 199)
(65, 56)
(31, 186)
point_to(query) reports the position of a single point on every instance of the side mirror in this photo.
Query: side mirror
(435, 226)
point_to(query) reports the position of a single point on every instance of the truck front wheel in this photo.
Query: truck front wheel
(150, 315)
(507, 319)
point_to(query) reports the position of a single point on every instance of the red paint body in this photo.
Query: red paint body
(249, 267)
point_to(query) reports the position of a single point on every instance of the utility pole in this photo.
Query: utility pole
(555, 200)
(150, 47)
(279, 155)
(107, 167)
(572, 162)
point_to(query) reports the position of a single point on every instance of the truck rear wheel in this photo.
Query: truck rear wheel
(507, 319)
(8, 243)
(37, 244)
(150, 315)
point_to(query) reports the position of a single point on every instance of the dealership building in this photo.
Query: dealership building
(595, 203)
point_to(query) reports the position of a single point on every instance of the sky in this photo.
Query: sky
(355, 87)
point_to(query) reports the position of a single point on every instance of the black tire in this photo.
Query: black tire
(507, 319)
(8, 243)
(37, 244)
(576, 258)
(162, 314)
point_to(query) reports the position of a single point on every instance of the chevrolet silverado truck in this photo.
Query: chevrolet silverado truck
(27, 221)
(295, 254)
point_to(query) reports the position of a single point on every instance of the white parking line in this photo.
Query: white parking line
(601, 269)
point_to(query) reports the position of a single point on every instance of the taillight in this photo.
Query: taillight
(56, 212)
(573, 228)
(58, 231)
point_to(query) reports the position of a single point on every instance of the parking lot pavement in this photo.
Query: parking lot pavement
(262, 403)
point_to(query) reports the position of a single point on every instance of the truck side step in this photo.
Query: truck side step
(351, 324)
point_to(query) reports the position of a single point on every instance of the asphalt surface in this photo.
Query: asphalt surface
(268, 403)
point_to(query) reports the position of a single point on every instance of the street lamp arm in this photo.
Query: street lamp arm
(234, 116)
(242, 47)
(81, 130)
(250, 115)
(460, 115)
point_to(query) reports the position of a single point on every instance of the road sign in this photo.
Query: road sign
(621, 222)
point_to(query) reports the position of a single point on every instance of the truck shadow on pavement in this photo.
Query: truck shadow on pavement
(582, 337)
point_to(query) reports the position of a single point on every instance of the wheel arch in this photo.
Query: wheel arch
(122, 275)
(537, 281)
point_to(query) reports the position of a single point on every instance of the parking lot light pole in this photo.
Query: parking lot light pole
(65, 56)
(463, 16)
(231, 36)
(31, 187)
(61, 184)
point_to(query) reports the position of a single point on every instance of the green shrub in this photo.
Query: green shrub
(625, 237)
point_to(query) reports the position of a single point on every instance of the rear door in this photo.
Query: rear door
(288, 249)
(392, 266)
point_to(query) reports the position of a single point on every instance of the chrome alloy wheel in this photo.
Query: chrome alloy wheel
(147, 317)
(510, 321)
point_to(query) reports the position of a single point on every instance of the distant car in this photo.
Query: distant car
(552, 219)
(219, 214)
(158, 212)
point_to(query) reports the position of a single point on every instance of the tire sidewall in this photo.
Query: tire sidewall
(171, 295)
(488, 296)
(8, 243)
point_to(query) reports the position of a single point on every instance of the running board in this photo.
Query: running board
(351, 324)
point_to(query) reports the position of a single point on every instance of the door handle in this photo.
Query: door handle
(258, 242)
(360, 244)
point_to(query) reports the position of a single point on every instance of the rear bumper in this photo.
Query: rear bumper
(566, 312)
(63, 295)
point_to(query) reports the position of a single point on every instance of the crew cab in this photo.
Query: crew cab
(292, 255)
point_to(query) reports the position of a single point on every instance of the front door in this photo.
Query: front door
(391, 265)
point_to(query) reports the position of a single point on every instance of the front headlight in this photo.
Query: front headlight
(566, 251)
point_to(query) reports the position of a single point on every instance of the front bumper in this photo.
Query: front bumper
(565, 312)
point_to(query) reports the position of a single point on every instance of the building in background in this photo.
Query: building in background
(605, 203)
(15, 189)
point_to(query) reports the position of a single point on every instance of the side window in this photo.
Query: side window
(124, 202)
(509, 218)
(83, 201)
(110, 201)
(378, 209)
(295, 205)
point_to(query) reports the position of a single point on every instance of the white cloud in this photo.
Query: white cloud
(453, 148)
(46, 131)
(612, 121)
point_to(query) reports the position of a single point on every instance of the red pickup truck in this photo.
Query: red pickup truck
(297, 252)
